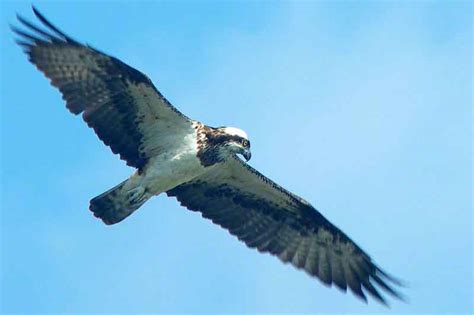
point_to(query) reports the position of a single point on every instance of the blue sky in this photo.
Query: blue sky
(362, 108)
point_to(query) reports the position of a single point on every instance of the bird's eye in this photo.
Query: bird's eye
(245, 143)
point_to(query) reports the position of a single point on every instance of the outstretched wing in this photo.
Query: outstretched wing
(119, 102)
(266, 216)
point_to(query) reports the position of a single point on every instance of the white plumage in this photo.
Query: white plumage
(195, 163)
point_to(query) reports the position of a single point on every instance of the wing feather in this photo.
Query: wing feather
(299, 260)
(267, 217)
(119, 102)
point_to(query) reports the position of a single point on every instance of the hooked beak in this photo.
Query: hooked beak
(247, 155)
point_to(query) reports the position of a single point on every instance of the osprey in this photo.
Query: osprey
(196, 163)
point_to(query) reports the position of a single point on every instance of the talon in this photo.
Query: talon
(136, 195)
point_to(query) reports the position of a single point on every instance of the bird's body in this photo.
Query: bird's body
(169, 169)
(196, 163)
(189, 159)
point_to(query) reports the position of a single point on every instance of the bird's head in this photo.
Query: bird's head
(235, 141)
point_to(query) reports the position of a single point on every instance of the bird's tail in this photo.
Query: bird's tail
(119, 202)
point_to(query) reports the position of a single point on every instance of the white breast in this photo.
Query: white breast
(172, 168)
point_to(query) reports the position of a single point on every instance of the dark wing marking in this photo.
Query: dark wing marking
(119, 102)
(266, 216)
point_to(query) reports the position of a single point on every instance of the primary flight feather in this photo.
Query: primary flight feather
(197, 164)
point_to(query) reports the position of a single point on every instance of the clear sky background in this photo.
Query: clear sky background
(364, 109)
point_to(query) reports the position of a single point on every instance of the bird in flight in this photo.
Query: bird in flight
(197, 164)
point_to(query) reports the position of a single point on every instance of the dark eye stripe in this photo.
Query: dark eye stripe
(222, 138)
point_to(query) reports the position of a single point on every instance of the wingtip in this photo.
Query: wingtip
(12, 27)
(21, 19)
(41, 17)
(393, 279)
(382, 275)
(363, 298)
(15, 29)
(36, 11)
(52, 27)
(378, 297)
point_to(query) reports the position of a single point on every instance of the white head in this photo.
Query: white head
(235, 132)
(233, 140)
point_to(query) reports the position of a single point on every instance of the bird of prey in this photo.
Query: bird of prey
(197, 164)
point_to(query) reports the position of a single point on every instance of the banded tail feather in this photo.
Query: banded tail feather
(119, 202)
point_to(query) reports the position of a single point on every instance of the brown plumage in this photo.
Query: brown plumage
(269, 218)
(131, 116)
